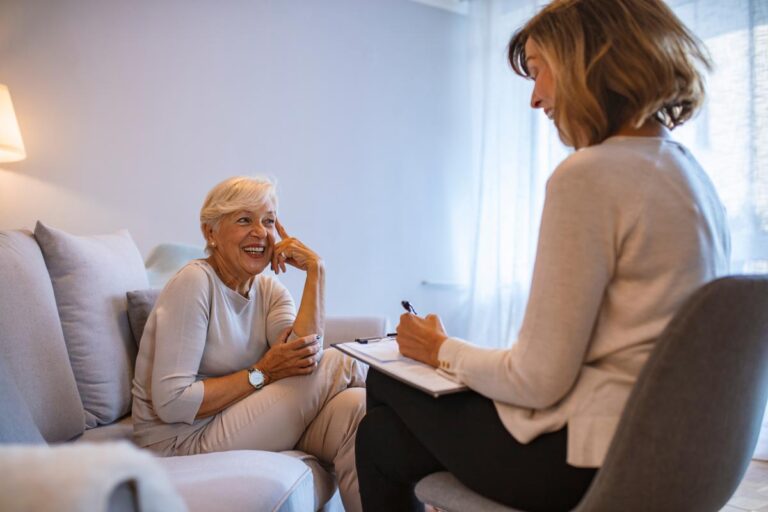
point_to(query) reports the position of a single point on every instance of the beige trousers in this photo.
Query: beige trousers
(316, 413)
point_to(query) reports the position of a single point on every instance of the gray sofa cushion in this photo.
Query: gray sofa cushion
(31, 340)
(121, 430)
(16, 423)
(241, 480)
(90, 276)
(140, 304)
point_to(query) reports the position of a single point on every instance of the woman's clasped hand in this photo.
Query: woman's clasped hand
(290, 358)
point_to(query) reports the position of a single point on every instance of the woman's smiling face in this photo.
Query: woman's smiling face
(244, 241)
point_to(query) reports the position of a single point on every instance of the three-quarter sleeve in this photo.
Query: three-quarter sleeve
(281, 311)
(182, 314)
(578, 242)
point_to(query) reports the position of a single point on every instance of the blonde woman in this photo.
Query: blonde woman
(631, 227)
(226, 362)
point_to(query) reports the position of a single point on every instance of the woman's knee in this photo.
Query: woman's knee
(349, 407)
(332, 360)
(343, 368)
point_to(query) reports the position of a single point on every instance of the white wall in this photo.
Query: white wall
(131, 111)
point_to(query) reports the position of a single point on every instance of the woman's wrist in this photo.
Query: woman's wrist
(267, 376)
(316, 267)
(435, 359)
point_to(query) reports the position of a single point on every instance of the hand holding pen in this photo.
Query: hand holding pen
(407, 306)
(420, 338)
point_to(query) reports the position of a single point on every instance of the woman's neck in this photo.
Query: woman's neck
(229, 279)
(650, 128)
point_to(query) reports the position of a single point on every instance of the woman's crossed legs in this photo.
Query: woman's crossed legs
(407, 435)
(316, 413)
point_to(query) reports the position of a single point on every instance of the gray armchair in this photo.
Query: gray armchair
(692, 421)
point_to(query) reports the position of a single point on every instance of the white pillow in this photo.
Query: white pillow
(90, 277)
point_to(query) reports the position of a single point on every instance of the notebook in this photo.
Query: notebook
(384, 355)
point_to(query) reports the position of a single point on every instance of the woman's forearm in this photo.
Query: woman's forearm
(311, 315)
(221, 392)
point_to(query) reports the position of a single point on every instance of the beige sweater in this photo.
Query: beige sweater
(630, 228)
(200, 328)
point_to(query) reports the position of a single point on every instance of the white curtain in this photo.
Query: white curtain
(516, 149)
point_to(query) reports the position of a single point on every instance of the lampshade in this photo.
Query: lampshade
(11, 145)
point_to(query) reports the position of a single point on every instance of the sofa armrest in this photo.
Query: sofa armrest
(346, 328)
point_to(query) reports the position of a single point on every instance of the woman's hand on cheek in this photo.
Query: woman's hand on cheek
(292, 251)
(275, 258)
(421, 338)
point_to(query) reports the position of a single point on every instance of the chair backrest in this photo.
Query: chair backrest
(692, 421)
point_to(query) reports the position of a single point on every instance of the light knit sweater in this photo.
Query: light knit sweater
(630, 228)
(200, 328)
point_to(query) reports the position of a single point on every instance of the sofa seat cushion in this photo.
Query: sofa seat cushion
(32, 342)
(90, 277)
(121, 430)
(324, 481)
(241, 480)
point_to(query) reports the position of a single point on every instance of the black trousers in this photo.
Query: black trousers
(407, 435)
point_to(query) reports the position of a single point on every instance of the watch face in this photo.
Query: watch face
(256, 378)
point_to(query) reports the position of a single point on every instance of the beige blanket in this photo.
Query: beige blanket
(80, 477)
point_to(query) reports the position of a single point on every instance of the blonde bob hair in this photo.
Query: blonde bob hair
(235, 194)
(614, 62)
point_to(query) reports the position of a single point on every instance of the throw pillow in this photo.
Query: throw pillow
(140, 304)
(90, 277)
(166, 259)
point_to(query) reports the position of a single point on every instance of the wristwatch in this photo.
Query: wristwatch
(256, 378)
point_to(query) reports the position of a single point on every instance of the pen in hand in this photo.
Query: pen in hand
(407, 306)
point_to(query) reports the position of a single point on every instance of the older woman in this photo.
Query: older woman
(226, 363)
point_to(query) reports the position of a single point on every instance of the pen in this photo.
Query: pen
(407, 306)
(376, 338)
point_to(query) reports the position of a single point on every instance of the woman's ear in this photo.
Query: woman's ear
(207, 230)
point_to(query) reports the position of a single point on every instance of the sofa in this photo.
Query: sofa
(67, 344)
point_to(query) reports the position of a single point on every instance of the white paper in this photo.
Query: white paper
(385, 350)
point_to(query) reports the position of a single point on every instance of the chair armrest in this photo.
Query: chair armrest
(444, 491)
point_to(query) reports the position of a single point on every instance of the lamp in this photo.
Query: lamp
(11, 145)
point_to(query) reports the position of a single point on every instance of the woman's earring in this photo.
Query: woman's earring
(212, 244)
